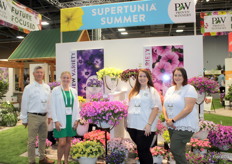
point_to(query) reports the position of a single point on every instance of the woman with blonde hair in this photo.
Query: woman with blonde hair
(65, 113)
(144, 105)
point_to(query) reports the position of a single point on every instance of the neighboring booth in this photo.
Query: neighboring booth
(38, 47)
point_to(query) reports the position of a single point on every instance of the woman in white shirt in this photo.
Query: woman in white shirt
(180, 114)
(65, 114)
(144, 104)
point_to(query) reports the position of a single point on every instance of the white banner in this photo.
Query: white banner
(18, 16)
(218, 23)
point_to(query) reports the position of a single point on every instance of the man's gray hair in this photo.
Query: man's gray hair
(37, 67)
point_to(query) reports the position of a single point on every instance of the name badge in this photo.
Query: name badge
(68, 110)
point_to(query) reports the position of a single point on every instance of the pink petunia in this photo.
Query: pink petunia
(171, 58)
(161, 69)
(162, 49)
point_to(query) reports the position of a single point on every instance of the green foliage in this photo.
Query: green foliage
(229, 95)
(3, 88)
(8, 114)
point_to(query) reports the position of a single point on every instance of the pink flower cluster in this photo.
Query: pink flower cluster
(222, 136)
(160, 127)
(75, 141)
(96, 135)
(98, 97)
(47, 142)
(157, 150)
(200, 144)
(203, 84)
(109, 111)
(207, 125)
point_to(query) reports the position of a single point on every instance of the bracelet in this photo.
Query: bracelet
(149, 124)
(173, 121)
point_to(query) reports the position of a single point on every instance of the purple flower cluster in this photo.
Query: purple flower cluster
(88, 63)
(164, 60)
(222, 136)
(54, 84)
(108, 111)
(94, 83)
(98, 97)
(203, 84)
(116, 157)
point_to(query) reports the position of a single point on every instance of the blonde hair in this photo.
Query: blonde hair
(65, 72)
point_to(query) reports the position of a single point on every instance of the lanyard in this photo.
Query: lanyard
(65, 97)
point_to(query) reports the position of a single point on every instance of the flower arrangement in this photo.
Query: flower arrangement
(96, 135)
(126, 74)
(54, 84)
(94, 83)
(47, 143)
(81, 99)
(221, 137)
(121, 145)
(229, 94)
(98, 97)
(200, 144)
(160, 127)
(90, 149)
(112, 72)
(203, 84)
(115, 157)
(158, 151)
(109, 111)
(82, 121)
(166, 136)
(207, 125)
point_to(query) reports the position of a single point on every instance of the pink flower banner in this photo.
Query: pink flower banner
(162, 60)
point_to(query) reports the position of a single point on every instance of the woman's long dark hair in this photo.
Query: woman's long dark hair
(137, 85)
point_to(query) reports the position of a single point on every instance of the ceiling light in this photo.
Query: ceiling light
(121, 29)
(207, 0)
(44, 23)
(179, 30)
(124, 33)
(20, 37)
(195, 1)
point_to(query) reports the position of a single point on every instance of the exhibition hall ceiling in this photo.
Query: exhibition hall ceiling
(50, 11)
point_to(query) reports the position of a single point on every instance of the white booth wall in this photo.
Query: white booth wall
(128, 53)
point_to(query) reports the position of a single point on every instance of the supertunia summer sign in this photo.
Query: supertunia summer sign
(137, 13)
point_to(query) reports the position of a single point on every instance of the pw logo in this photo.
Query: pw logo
(218, 20)
(182, 6)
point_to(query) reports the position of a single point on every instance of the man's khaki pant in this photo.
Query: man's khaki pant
(37, 125)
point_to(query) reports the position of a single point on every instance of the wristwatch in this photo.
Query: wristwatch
(173, 121)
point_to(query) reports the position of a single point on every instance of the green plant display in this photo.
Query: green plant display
(3, 88)
(8, 114)
(229, 94)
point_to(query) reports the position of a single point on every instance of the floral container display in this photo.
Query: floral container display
(53, 84)
(98, 97)
(97, 135)
(110, 112)
(200, 146)
(205, 127)
(161, 127)
(158, 153)
(94, 85)
(121, 145)
(87, 151)
(116, 157)
(129, 73)
(204, 85)
(74, 141)
(82, 127)
(81, 100)
(221, 137)
(229, 94)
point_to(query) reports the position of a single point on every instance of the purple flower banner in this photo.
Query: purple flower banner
(88, 62)
(162, 60)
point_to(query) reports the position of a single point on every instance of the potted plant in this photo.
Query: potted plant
(116, 157)
(98, 97)
(99, 112)
(221, 137)
(82, 127)
(200, 146)
(229, 94)
(158, 153)
(204, 85)
(96, 135)
(8, 114)
(121, 145)
(87, 151)
(205, 127)
(129, 73)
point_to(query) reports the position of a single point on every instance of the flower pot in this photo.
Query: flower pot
(87, 160)
(202, 152)
(94, 90)
(157, 159)
(104, 125)
(224, 147)
(37, 151)
(203, 134)
(82, 129)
